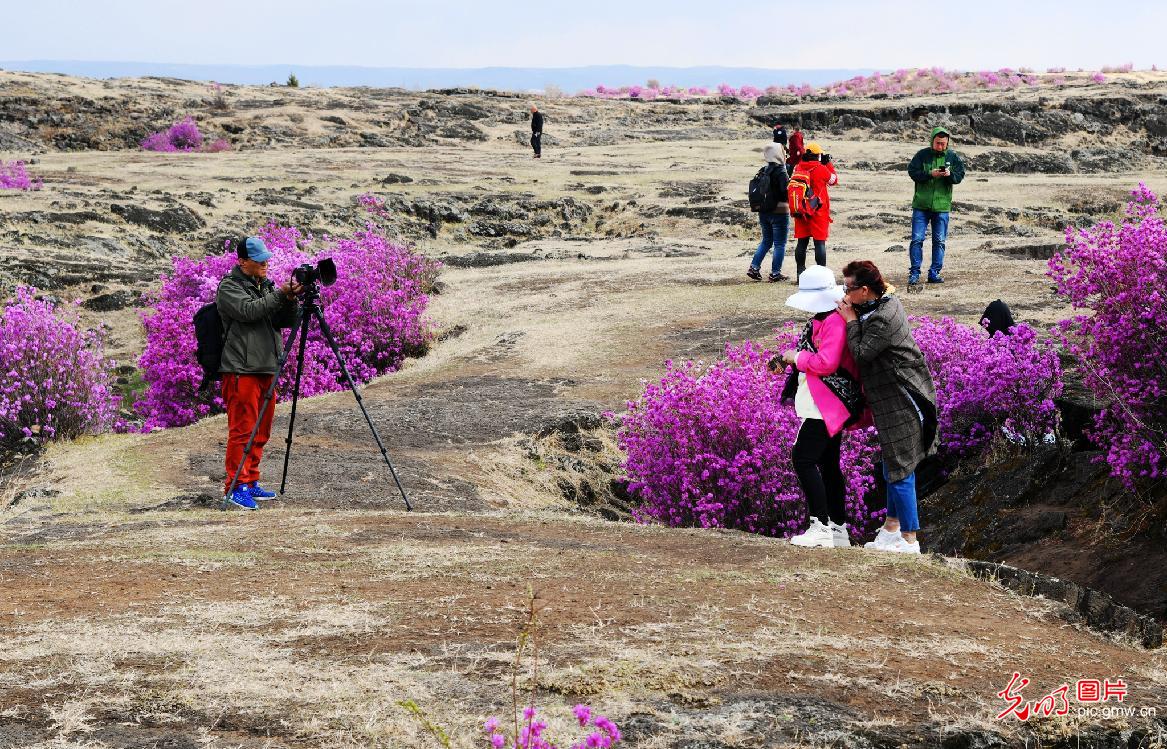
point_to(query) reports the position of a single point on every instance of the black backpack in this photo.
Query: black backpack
(210, 335)
(763, 195)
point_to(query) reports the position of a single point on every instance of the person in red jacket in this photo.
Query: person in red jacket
(794, 150)
(821, 173)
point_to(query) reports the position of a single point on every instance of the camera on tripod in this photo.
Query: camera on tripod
(307, 274)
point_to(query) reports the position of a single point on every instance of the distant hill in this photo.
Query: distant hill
(512, 79)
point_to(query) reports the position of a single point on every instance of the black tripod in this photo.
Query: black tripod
(308, 310)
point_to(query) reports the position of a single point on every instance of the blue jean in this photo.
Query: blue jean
(901, 501)
(775, 227)
(920, 221)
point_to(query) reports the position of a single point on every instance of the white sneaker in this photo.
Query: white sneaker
(839, 535)
(882, 539)
(901, 546)
(817, 536)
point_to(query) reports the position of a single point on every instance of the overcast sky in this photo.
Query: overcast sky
(552, 33)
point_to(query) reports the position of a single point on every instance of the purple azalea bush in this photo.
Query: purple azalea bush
(57, 382)
(902, 82)
(989, 386)
(1117, 276)
(376, 311)
(14, 176)
(709, 446)
(182, 137)
(531, 732)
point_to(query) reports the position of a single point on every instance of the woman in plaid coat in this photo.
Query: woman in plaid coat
(899, 391)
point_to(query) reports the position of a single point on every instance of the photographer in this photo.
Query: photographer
(815, 169)
(934, 170)
(252, 309)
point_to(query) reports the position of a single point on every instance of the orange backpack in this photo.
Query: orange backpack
(800, 196)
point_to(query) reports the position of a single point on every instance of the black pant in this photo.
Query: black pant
(816, 461)
(536, 142)
(820, 253)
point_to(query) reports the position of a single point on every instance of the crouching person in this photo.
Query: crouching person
(252, 310)
(899, 391)
(824, 382)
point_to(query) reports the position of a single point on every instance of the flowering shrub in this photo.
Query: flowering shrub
(217, 146)
(531, 733)
(183, 136)
(1118, 276)
(13, 176)
(57, 383)
(988, 385)
(901, 82)
(375, 310)
(710, 447)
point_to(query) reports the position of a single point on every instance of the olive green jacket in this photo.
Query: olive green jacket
(935, 193)
(252, 312)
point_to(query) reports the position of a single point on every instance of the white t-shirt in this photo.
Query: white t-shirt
(803, 401)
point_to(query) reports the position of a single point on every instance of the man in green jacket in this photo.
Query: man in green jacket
(253, 310)
(934, 170)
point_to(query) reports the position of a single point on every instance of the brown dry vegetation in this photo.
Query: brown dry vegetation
(134, 614)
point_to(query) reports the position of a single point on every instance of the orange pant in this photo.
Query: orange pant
(243, 394)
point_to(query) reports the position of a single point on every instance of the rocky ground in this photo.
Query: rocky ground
(137, 615)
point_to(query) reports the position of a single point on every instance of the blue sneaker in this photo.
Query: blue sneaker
(258, 492)
(241, 498)
(913, 279)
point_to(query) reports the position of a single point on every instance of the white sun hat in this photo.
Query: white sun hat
(817, 291)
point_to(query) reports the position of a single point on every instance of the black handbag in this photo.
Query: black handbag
(842, 384)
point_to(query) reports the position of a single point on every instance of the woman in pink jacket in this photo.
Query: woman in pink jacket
(824, 381)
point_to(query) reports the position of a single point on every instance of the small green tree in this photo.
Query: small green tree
(293, 81)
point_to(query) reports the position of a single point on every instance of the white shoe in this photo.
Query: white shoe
(901, 546)
(816, 536)
(882, 539)
(839, 535)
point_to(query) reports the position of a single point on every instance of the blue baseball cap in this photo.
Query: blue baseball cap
(253, 248)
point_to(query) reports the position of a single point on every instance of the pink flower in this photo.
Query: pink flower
(376, 310)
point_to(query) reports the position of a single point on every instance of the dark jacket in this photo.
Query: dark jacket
(537, 122)
(934, 193)
(779, 182)
(894, 374)
(252, 312)
(998, 317)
